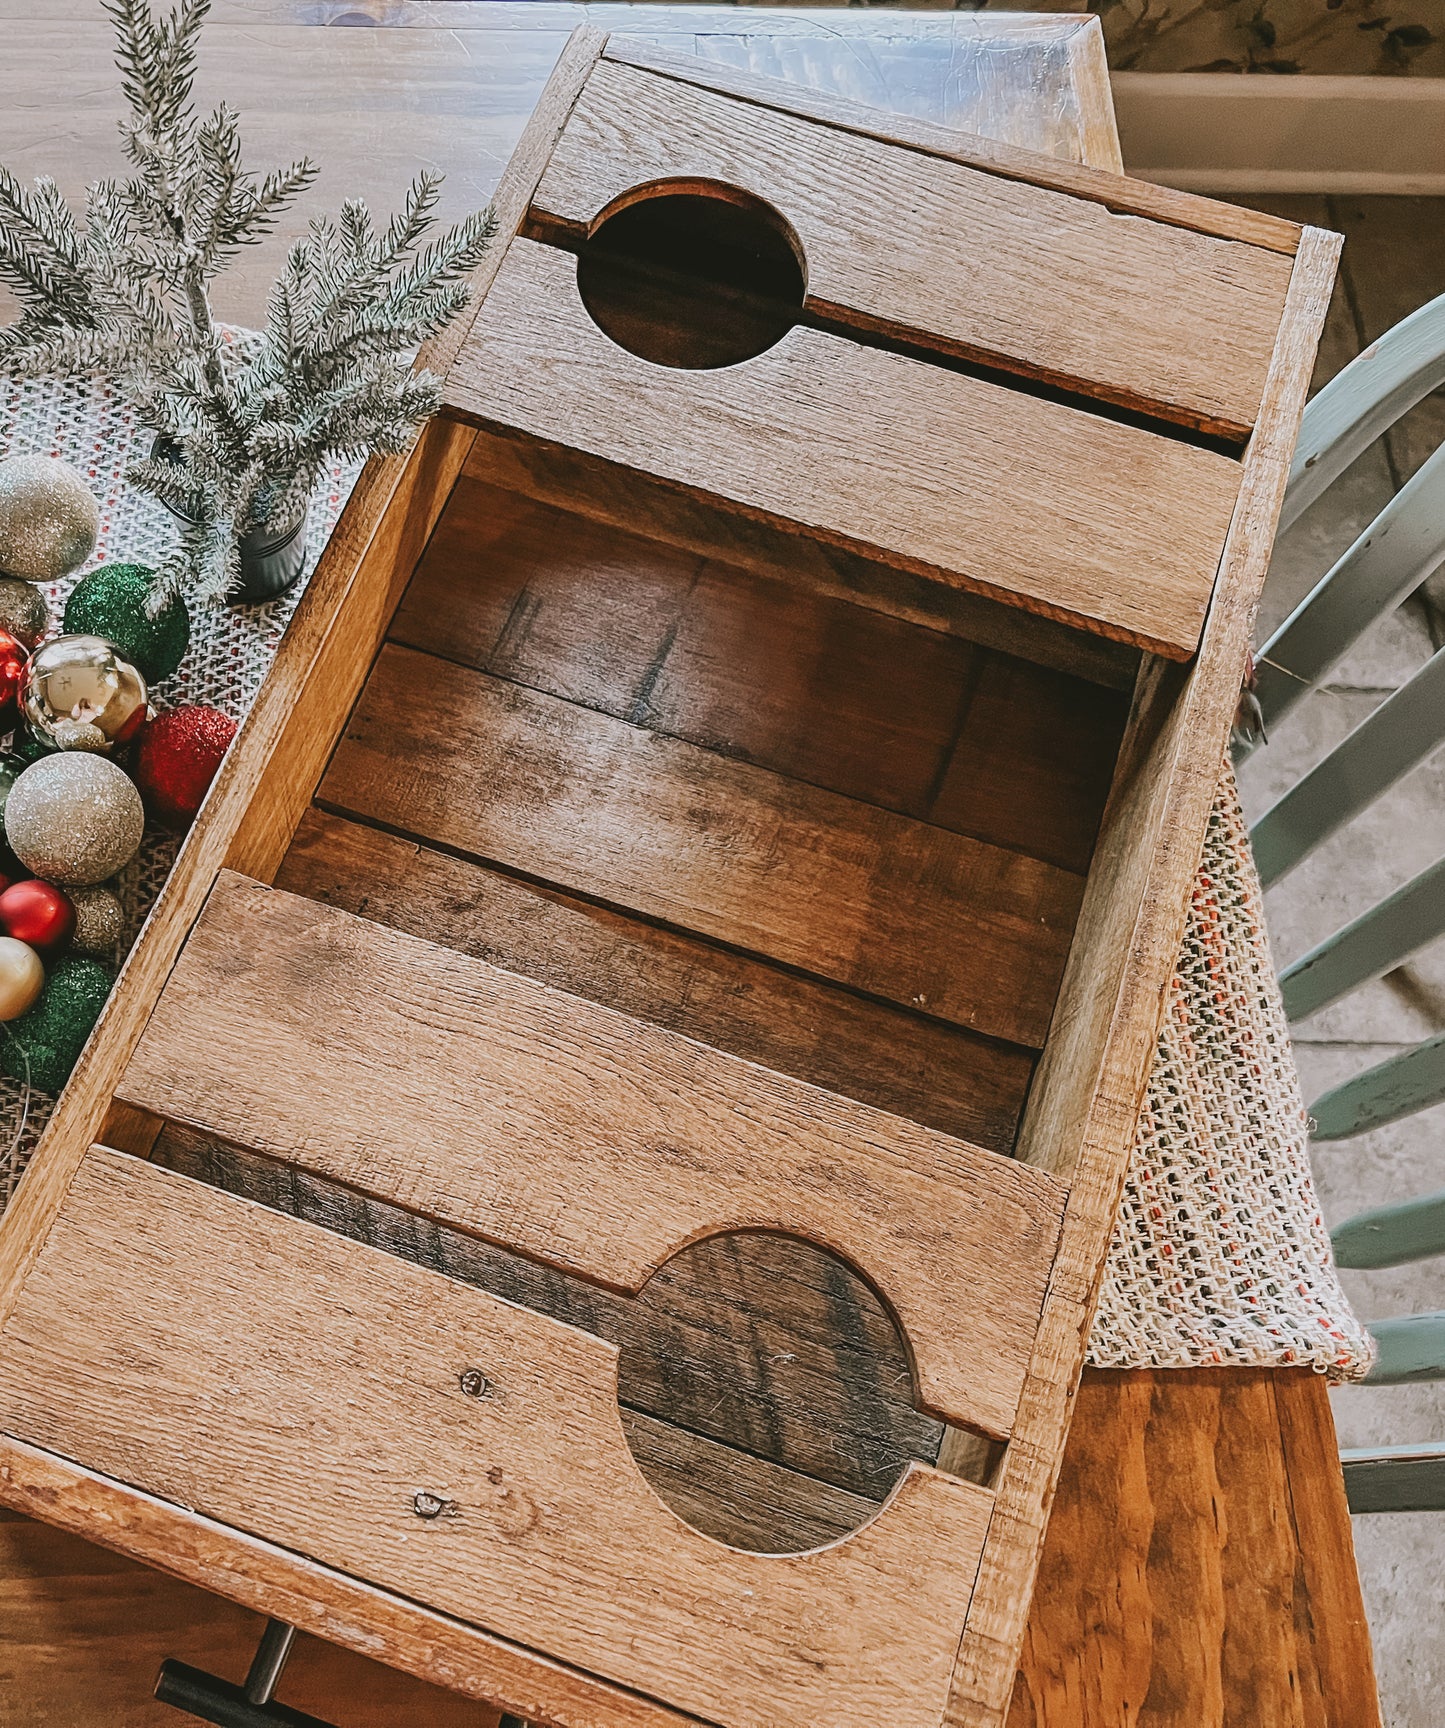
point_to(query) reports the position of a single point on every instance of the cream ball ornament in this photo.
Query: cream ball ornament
(23, 611)
(21, 976)
(99, 921)
(74, 819)
(49, 518)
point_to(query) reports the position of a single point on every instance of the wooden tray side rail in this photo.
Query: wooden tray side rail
(544, 1082)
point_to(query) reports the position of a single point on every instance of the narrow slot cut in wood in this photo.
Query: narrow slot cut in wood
(1162, 320)
(1106, 526)
(569, 1131)
(175, 1336)
(938, 922)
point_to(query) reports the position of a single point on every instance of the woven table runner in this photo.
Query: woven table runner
(1220, 1256)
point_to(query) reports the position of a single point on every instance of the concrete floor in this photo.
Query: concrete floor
(1394, 260)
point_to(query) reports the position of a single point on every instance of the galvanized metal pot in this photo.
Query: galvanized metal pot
(272, 559)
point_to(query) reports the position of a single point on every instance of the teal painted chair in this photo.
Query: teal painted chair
(1401, 547)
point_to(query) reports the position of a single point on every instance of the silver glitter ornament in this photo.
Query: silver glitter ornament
(23, 611)
(74, 819)
(81, 695)
(49, 518)
(99, 921)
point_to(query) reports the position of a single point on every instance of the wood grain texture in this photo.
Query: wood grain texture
(1093, 172)
(1198, 1571)
(1061, 512)
(904, 1063)
(966, 932)
(270, 771)
(86, 1632)
(573, 1132)
(228, 1331)
(749, 665)
(1148, 1578)
(1060, 289)
(1085, 1100)
(638, 504)
(271, 1579)
(759, 1357)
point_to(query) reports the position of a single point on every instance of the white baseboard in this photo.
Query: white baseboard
(1224, 132)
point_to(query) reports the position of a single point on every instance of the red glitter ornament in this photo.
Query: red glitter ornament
(176, 758)
(39, 914)
(14, 664)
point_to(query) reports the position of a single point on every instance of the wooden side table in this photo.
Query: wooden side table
(1199, 1569)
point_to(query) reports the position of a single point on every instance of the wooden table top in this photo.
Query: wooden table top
(1199, 1568)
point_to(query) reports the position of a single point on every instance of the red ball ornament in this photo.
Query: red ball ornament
(14, 664)
(176, 758)
(37, 913)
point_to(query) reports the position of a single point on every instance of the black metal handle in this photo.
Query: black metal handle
(249, 1706)
(228, 1706)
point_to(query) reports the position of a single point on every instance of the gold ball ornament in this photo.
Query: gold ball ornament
(99, 921)
(49, 518)
(23, 611)
(81, 695)
(74, 819)
(21, 976)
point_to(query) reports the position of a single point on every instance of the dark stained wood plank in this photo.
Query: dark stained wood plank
(760, 1344)
(1197, 1571)
(906, 1063)
(638, 504)
(842, 890)
(1033, 762)
(809, 685)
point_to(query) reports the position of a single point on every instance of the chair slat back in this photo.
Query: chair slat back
(1403, 546)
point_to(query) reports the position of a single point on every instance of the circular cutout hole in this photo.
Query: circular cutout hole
(767, 1393)
(695, 278)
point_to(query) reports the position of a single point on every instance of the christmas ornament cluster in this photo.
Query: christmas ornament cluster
(87, 762)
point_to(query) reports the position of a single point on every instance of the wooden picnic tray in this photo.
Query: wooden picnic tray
(715, 838)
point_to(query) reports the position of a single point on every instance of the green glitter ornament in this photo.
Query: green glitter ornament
(111, 602)
(50, 1036)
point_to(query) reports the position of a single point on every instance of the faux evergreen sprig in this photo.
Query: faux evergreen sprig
(125, 292)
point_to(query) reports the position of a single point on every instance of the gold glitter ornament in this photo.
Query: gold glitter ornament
(49, 518)
(74, 819)
(99, 921)
(21, 975)
(23, 611)
(81, 695)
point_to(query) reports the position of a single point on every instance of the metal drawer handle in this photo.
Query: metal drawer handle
(249, 1706)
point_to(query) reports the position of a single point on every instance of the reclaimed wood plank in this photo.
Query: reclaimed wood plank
(1040, 505)
(1060, 289)
(1094, 171)
(639, 504)
(939, 1075)
(966, 932)
(751, 1348)
(751, 665)
(1085, 1100)
(222, 1331)
(570, 1131)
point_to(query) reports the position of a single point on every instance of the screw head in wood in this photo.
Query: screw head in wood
(427, 1505)
(476, 1385)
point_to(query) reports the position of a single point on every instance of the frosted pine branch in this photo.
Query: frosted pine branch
(125, 290)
